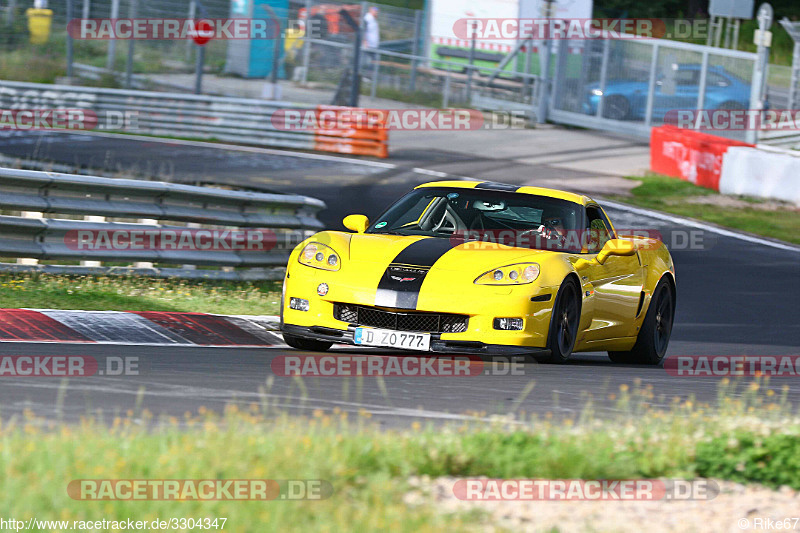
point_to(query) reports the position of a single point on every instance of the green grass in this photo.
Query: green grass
(370, 467)
(671, 194)
(129, 293)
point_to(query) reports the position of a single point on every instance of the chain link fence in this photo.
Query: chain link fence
(620, 85)
(631, 85)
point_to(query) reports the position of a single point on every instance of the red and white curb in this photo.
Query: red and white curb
(150, 328)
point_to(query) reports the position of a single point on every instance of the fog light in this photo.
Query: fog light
(322, 289)
(508, 323)
(298, 304)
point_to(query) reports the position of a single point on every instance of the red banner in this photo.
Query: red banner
(690, 155)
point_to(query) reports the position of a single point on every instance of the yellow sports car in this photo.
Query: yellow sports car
(483, 268)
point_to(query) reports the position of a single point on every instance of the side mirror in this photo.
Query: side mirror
(616, 247)
(357, 223)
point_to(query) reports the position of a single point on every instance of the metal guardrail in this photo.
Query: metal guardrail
(240, 120)
(35, 193)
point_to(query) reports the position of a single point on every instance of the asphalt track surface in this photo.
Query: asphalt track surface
(735, 297)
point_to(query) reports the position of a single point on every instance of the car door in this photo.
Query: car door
(614, 287)
(676, 89)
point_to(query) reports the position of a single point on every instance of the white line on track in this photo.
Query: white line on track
(700, 225)
(426, 172)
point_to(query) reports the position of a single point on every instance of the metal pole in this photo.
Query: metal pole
(307, 43)
(198, 69)
(446, 95)
(736, 24)
(112, 43)
(544, 96)
(12, 8)
(764, 17)
(87, 8)
(651, 87)
(375, 72)
(795, 77)
(603, 75)
(276, 55)
(355, 88)
(471, 70)
(526, 83)
(129, 63)
(701, 90)
(718, 34)
(412, 82)
(69, 42)
(192, 11)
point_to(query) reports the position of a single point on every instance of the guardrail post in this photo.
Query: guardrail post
(145, 264)
(192, 225)
(29, 260)
(93, 218)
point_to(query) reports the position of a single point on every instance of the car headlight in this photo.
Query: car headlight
(318, 255)
(597, 92)
(519, 274)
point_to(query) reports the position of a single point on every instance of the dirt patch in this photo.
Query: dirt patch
(734, 202)
(734, 509)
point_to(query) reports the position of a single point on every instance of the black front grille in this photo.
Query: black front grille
(361, 315)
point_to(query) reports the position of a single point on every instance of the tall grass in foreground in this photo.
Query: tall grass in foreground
(136, 293)
(751, 433)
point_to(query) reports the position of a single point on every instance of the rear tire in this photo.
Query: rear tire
(309, 345)
(563, 323)
(653, 339)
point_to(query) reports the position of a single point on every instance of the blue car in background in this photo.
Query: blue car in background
(677, 89)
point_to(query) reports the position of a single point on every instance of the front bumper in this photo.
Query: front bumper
(438, 345)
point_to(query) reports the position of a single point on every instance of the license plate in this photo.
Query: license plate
(390, 338)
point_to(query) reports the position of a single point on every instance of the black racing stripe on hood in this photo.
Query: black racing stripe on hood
(494, 186)
(401, 282)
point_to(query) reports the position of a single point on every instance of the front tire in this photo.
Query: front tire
(309, 345)
(653, 339)
(564, 323)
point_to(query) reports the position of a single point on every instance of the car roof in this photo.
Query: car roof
(491, 185)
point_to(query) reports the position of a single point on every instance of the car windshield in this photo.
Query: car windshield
(513, 219)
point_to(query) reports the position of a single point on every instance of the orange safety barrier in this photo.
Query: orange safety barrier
(688, 154)
(359, 132)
